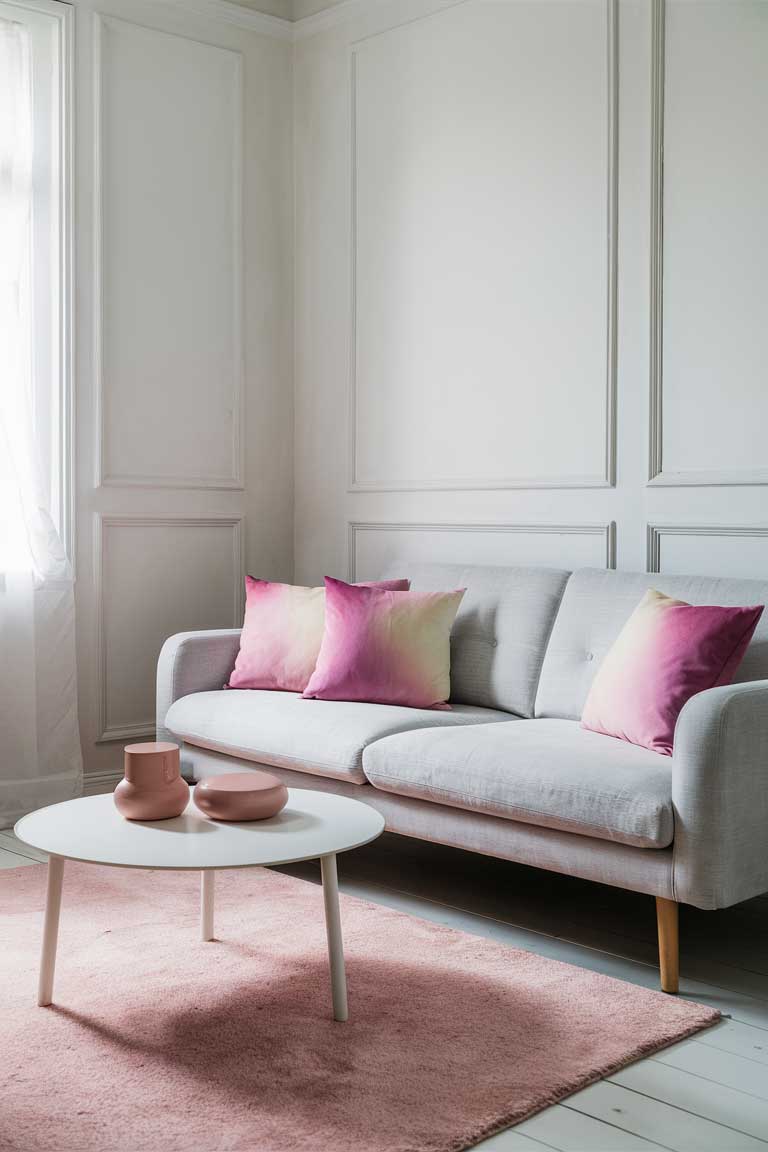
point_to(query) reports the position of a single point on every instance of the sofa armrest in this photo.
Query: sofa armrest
(193, 662)
(720, 796)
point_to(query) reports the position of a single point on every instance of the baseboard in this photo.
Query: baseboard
(96, 783)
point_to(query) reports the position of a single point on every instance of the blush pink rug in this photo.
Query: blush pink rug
(157, 1041)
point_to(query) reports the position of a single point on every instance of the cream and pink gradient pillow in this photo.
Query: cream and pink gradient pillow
(666, 652)
(385, 647)
(282, 632)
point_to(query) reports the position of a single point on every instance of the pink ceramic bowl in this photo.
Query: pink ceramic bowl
(241, 796)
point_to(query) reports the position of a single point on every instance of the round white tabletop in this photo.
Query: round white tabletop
(91, 829)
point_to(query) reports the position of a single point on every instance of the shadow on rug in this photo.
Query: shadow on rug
(159, 1041)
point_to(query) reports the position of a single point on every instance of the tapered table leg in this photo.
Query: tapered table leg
(333, 932)
(207, 878)
(50, 930)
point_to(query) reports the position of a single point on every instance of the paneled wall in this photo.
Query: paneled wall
(464, 279)
(530, 288)
(184, 338)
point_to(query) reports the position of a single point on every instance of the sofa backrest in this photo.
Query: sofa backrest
(500, 634)
(594, 608)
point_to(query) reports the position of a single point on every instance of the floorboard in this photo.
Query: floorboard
(10, 841)
(725, 1106)
(718, 1067)
(671, 1126)
(571, 1131)
(512, 1140)
(740, 1039)
(14, 860)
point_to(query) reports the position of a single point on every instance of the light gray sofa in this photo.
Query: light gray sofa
(509, 771)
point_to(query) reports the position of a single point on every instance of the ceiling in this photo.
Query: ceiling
(288, 9)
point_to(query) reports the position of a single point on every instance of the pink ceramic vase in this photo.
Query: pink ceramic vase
(153, 788)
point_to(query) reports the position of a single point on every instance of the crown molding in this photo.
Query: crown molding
(276, 26)
(241, 17)
(331, 16)
(337, 13)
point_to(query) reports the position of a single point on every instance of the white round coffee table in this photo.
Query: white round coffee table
(312, 825)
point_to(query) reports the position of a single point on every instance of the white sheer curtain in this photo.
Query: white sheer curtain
(40, 758)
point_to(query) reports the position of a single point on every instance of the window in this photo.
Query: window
(35, 268)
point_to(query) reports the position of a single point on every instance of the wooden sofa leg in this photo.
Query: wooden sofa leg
(669, 952)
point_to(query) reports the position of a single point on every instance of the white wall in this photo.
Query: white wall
(184, 418)
(486, 365)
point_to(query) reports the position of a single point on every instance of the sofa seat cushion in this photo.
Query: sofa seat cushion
(552, 773)
(326, 737)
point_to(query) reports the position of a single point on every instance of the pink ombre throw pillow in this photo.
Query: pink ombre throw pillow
(666, 652)
(385, 647)
(281, 636)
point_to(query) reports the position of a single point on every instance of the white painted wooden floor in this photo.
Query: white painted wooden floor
(705, 1095)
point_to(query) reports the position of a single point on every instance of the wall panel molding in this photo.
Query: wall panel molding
(658, 476)
(223, 10)
(105, 476)
(605, 532)
(606, 477)
(655, 534)
(144, 727)
(655, 413)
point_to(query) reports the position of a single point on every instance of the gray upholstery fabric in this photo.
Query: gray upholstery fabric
(599, 860)
(547, 772)
(595, 607)
(501, 630)
(193, 662)
(326, 737)
(720, 796)
(719, 772)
